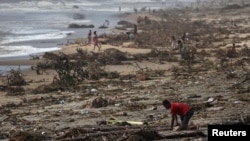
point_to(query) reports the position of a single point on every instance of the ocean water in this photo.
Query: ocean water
(29, 27)
(35, 26)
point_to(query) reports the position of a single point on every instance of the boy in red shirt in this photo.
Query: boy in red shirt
(183, 110)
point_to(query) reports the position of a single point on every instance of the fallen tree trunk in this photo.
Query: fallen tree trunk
(127, 133)
(179, 134)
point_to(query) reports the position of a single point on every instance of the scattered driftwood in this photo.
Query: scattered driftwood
(26, 136)
(15, 78)
(172, 135)
(82, 66)
(35, 57)
(48, 88)
(99, 102)
(130, 133)
(15, 91)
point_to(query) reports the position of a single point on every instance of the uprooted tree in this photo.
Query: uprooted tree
(73, 69)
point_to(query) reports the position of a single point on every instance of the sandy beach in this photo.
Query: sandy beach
(129, 77)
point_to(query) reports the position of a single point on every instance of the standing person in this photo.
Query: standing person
(135, 10)
(89, 37)
(183, 37)
(232, 53)
(135, 29)
(96, 42)
(173, 42)
(183, 50)
(179, 109)
(120, 8)
(107, 22)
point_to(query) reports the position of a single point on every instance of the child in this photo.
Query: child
(183, 110)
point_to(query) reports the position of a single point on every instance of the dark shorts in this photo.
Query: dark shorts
(185, 119)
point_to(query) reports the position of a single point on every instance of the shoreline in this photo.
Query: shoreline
(19, 62)
(68, 49)
(71, 48)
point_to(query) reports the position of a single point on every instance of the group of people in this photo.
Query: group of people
(183, 110)
(95, 40)
(142, 20)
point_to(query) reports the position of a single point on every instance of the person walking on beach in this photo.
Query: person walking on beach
(179, 109)
(96, 42)
(89, 37)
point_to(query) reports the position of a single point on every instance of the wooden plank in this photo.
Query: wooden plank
(177, 134)
(3, 117)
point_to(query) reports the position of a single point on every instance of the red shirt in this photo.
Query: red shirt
(179, 108)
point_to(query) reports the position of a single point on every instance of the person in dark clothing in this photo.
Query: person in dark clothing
(135, 29)
(183, 49)
(89, 36)
(232, 53)
(183, 37)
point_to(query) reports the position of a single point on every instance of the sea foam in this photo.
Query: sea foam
(9, 51)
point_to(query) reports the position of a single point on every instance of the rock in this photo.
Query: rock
(99, 102)
(80, 26)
